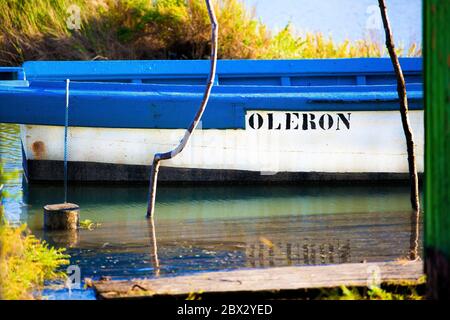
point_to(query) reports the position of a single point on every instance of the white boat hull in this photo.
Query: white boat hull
(371, 142)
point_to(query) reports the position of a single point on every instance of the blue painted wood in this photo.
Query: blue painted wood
(11, 73)
(160, 106)
(309, 72)
(122, 94)
(13, 83)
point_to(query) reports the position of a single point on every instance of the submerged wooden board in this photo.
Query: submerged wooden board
(253, 281)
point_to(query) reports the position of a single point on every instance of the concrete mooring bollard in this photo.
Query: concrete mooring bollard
(62, 216)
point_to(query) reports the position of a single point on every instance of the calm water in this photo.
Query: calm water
(214, 228)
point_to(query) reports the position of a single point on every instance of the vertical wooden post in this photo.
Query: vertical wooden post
(63, 216)
(401, 90)
(436, 15)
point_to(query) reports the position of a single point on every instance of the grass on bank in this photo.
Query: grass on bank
(412, 292)
(25, 261)
(159, 29)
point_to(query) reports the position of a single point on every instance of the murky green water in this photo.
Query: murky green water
(216, 227)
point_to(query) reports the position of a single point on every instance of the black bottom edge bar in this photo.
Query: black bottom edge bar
(52, 170)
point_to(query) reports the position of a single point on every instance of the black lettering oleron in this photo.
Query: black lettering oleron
(299, 121)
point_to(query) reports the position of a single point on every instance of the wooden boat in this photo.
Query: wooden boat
(278, 120)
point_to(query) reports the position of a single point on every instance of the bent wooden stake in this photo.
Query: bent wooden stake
(171, 154)
(401, 89)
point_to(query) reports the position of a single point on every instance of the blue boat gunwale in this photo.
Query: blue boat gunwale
(350, 71)
(118, 68)
(136, 106)
(172, 106)
(150, 88)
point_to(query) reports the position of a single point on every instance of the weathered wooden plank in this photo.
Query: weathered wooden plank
(263, 280)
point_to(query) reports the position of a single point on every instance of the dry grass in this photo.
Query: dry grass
(162, 29)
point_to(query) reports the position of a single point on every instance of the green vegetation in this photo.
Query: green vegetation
(161, 29)
(25, 261)
(89, 224)
(437, 141)
(400, 292)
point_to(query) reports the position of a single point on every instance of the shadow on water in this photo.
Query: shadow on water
(110, 202)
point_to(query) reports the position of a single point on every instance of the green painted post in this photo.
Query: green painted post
(437, 144)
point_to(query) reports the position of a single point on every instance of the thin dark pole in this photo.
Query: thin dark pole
(401, 90)
(66, 125)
